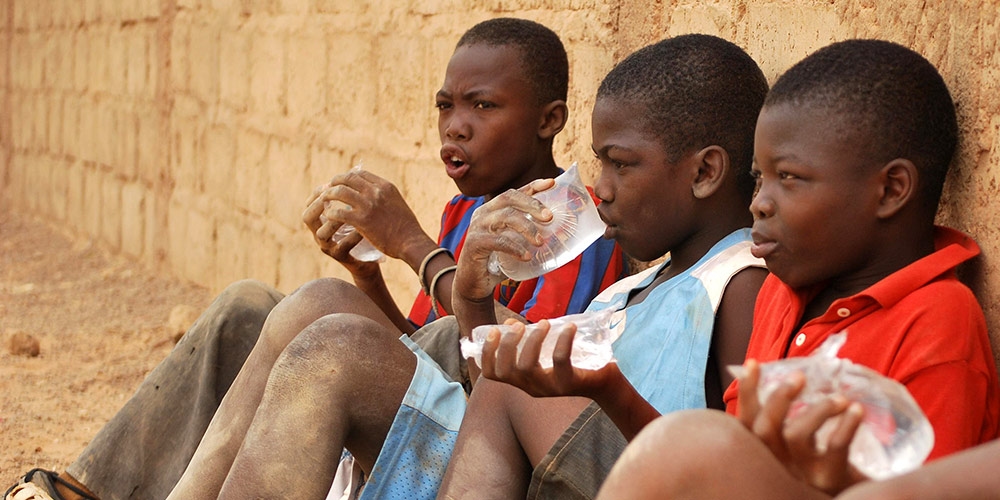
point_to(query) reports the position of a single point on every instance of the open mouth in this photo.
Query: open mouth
(455, 162)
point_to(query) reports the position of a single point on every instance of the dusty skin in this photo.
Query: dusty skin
(101, 322)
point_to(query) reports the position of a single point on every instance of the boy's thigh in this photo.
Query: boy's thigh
(539, 422)
(580, 459)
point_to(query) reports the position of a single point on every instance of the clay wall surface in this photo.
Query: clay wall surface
(186, 134)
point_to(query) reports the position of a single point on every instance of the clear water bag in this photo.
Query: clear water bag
(574, 226)
(591, 343)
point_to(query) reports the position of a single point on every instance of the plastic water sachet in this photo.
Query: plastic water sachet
(364, 250)
(591, 343)
(894, 436)
(574, 226)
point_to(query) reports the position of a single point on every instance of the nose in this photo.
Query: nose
(603, 188)
(456, 126)
(762, 204)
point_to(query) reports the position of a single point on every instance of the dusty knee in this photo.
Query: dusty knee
(341, 346)
(329, 294)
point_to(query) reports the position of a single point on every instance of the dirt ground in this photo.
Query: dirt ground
(101, 322)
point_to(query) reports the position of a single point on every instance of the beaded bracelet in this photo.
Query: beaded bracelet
(434, 282)
(422, 270)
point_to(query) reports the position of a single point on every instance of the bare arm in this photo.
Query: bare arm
(967, 475)
(731, 334)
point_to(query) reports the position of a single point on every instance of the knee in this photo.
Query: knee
(324, 289)
(243, 306)
(321, 297)
(339, 345)
(673, 454)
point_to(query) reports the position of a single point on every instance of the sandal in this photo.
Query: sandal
(40, 484)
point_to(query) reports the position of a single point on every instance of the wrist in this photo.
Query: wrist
(415, 252)
(428, 279)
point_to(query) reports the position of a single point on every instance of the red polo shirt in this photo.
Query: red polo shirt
(919, 325)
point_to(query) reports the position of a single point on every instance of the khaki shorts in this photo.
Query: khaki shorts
(580, 460)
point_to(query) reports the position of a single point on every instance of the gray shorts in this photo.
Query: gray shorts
(580, 460)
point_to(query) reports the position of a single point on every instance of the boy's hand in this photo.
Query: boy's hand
(323, 236)
(502, 362)
(499, 226)
(377, 211)
(792, 438)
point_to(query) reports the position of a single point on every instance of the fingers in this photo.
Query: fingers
(325, 231)
(770, 420)
(537, 186)
(801, 430)
(341, 250)
(562, 353)
(490, 353)
(314, 207)
(523, 202)
(506, 353)
(748, 404)
(532, 348)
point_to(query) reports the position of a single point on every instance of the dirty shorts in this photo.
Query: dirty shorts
(422, 436)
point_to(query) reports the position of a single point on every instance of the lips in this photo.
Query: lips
(763, 246)
(456, 162)
(611, 230)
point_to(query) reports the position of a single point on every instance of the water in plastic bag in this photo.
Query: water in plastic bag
(574, 226)
(364, 250)
(591, 343)
(894, 436)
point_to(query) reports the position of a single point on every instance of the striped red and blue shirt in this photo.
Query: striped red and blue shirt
(566, 290)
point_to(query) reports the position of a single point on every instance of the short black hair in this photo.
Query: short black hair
(694, 91)
(543, 57)
(892, 102)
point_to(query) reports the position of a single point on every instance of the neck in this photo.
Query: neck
(544, 168)
(722, 221)
(896, 250)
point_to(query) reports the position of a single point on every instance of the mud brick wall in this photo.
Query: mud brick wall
(186, 134)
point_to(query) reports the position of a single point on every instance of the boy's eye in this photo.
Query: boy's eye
(786, 176)
(442, 105)
(484, 105)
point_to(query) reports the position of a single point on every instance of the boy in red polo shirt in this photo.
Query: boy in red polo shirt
(851, 152)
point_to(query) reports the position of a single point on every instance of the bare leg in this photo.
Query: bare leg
(217, 450)
(338, 384)
(701, 454)
(504, 435)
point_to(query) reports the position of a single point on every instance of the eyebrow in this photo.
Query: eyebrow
(472, 94)
(607, 148)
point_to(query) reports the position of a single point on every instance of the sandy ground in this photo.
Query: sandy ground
(101, 322)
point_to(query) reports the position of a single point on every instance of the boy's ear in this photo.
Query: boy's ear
(713, 168)
(897, 185)
(554, 116)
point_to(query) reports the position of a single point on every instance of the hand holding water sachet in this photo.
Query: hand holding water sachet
(363, 251)
(567, 356)
(591, 341)
(574, 226)
(893, 437)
